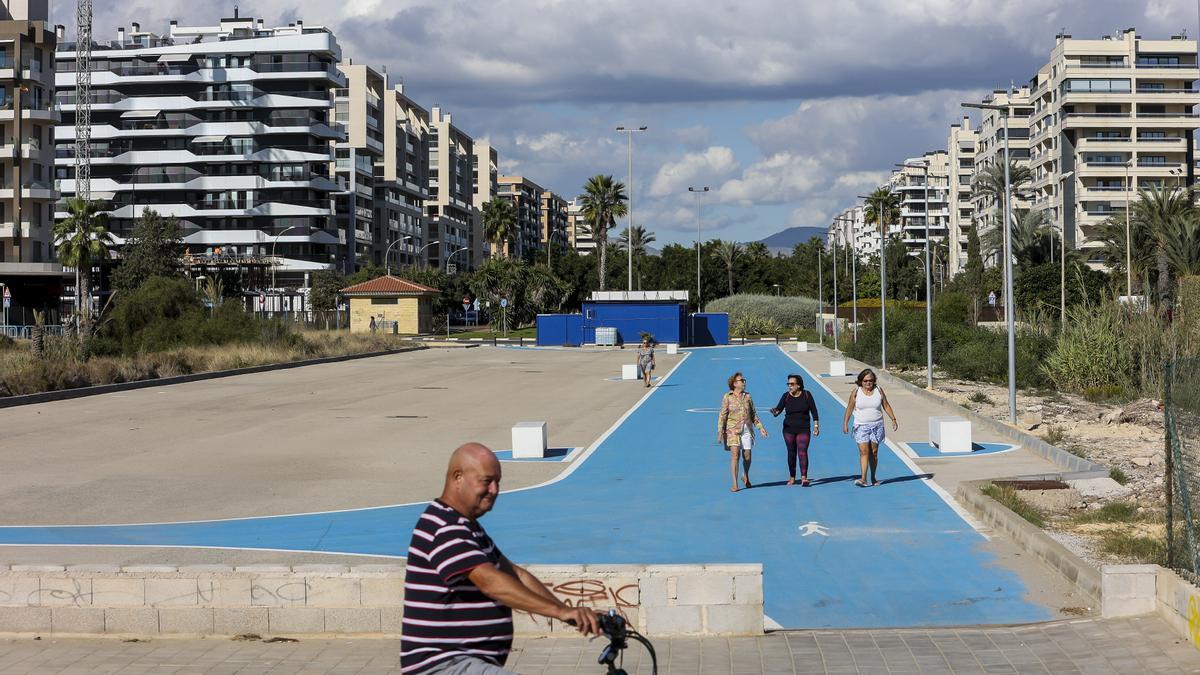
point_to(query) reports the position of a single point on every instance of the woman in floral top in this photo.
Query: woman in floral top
(734, 428)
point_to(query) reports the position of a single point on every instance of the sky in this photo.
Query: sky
(787, 110)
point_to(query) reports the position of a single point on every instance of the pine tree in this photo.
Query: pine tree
(974, 271)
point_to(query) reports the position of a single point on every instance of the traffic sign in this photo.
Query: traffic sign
(466, 304)
(475, 305)
(7, 293)
(504, 302)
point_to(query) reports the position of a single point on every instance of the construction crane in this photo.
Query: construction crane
(83, 100)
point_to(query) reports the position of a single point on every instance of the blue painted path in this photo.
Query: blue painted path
(977, 449)
(656, 490)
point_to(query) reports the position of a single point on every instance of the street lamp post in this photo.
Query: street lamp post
(881, 219)
(420, 250)
(387, 255)
(630, 131)
(699, 193)
(835, 298)
(452, 255)
(1062, 278)
(1005, 111)
(924, 167)
(821, 295)
(1128, 238)
(854, 279)
(274, 262)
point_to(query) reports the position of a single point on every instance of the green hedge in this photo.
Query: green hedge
(752, 313)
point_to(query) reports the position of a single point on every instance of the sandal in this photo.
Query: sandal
(859, 483)
(803, 482)
(791, 481)
(733, 489)
(874, 483)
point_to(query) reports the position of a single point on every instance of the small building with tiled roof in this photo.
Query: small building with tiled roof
(395, 304)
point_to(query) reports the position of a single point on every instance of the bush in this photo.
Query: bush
(1092, 350)
(1105, 393)
(791, 313)
(7, 343)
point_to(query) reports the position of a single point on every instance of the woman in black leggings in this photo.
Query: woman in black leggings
(799, 406)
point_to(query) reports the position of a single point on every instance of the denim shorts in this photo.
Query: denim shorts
(869, 433)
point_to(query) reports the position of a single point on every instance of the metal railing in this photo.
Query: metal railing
(26, 332)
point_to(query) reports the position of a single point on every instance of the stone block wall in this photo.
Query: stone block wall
(359, 600)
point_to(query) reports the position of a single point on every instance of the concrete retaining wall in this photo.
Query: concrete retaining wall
(1178, 603)
(366, 599)
(1087, 579)
(1135, 590)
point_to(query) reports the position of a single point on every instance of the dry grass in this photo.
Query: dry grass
(63, 368)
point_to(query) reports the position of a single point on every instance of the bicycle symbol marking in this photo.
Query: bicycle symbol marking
(813, 527)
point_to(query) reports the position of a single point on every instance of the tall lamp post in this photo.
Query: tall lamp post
(924, 167)
(422, 249)
(1005, 111)
(699, 192)
(821, 294)
(630, 131)
(854, 278)
(275, 241)
(387, 255)
(835, 298)
(451, 256)
(1062, 277)
(1128, 239)
(881, 219)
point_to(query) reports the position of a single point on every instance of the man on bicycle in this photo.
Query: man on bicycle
(459, 589)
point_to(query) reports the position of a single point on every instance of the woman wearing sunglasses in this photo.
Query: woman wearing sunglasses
(867, 403)
(798, 403)
(735, 427)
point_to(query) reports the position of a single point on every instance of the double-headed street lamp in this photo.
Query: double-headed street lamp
(273, 243)
(630, 131)
(1005, 111)
(699, 192)
(924, 167)
(387, 255)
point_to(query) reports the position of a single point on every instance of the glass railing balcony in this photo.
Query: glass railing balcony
(1161, 165)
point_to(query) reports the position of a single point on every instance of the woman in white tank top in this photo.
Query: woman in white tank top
(868, 403)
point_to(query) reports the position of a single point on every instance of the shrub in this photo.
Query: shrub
(7, 343)
(1105, 393)
(747, 325)
(792, 312)
(980, 397)
(1118, 475)
(952, 307)
(1008, 497)
(1092, 350)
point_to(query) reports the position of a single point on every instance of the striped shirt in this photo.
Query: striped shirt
(444, 614)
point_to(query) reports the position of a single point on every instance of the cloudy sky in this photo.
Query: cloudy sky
(786, 109)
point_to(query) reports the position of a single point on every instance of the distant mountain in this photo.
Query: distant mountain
(783, 242)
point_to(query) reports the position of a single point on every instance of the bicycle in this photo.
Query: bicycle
(619, 633)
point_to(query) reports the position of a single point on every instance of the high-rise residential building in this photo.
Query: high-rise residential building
(849, 227)
(451, 215)
(1110, 116)
(485, 169)
(579, 235)
(554, 222)
(989, 153)
(526, 198)
(961, 147)
(27, 119)
(401, 181)
(923, 184)
(359, 115)
(226, 127)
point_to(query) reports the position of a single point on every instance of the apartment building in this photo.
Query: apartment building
(451, 216)
(553, 231)
(923, 184)
(401, 180)
(990, 153)
(29, 272)
(961, 146)
(850, 227)
(486, 171)
(1110, 116)
(579, 235)
(359, 116)
(226, 127)
(526, 198)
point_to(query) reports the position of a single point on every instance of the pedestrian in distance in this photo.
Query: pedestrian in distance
(799, 407)
(867, 403)
(646, 358)
(459, 589)
(373, 325)
(735, 428)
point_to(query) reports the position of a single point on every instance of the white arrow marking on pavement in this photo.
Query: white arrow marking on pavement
(813, 527)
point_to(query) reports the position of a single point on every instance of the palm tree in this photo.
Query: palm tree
(1032, 239)
(1163, 211)
(989, 183)
(640, 239)
(1111, 232)
(604, 201)
(882, 209)
(499, 223)
(83, 238)
(728, 252)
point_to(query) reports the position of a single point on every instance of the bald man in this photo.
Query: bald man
(459, 589)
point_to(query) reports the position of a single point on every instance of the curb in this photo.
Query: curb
(1076, 467)
(81, 392)
(1086, 579)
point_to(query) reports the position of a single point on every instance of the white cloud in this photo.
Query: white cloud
(695, 168)
(779, 178)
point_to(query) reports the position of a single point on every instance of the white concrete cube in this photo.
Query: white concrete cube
(629, 371)
(529, 440)
(801, 346)
(837, 368)
(950, 433)
(672, 348)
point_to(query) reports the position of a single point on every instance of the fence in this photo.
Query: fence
(1181, 421)
(315, 320)
(26, 332)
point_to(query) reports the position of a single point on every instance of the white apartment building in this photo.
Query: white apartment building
(485, 170)
(28, 267)
(526, 198)
(451, 221)
(226, 127)
(850, 228)
(579, 235)
(924, 188)
(990, 152)
(961, 147)
(359, 115)
(1110, 116)
(553, 234)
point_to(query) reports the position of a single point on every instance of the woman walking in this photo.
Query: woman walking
(868, 403)
(646, 359)
(735, 427)
(799, 406)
